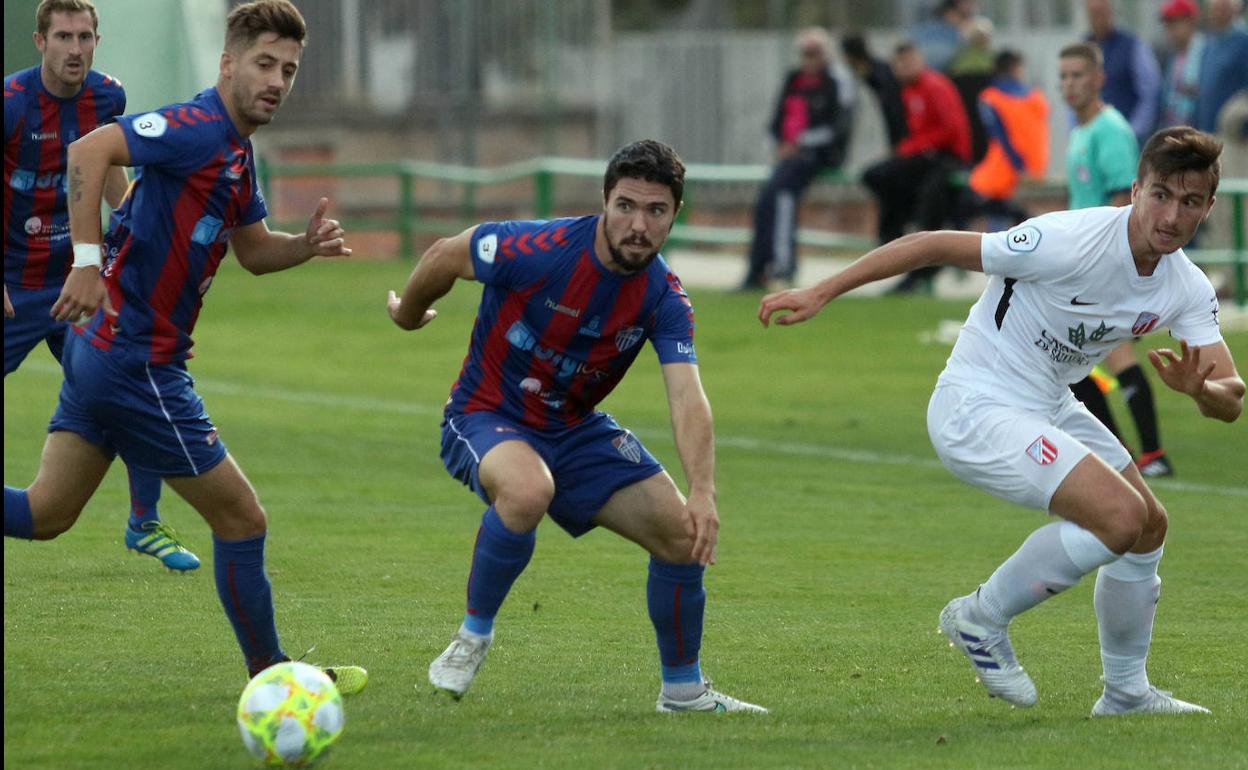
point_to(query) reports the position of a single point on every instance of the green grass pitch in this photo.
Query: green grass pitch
(841, 539)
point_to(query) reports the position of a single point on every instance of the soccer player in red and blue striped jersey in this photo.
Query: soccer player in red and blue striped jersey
(567, 306)
(47, 107)
(127, 390)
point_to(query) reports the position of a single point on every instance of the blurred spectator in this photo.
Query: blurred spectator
(971, 71)
(914, 184)
(811, 126)
(1016, 119)
(1132, 77)
(1224, 67)
(940, 37)
(1180, 81)
(878, 76)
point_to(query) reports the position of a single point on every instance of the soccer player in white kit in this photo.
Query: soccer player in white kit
(1064, 289)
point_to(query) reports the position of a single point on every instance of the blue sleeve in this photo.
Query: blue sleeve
(119, 107)
(510, 254)
(1147, 86)
(12, 114)
(996, 130)
(153, 140)
(672, 336)
(256, 207)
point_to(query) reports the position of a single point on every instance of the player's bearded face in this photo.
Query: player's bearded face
(1171, 209)
(68, 48)
(636, 221)
(262, 76)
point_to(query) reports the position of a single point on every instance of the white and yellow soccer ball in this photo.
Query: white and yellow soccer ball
(290, 714)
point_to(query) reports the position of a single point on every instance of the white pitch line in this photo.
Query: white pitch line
(747, 443)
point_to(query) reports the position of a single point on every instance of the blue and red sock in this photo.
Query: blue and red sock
(17, 519)
(677, 601)
(144, 494)
(247, 597)
(498, 558)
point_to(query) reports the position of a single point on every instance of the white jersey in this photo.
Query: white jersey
(1062, 292)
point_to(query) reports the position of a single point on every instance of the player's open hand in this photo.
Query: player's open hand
(83, 292)
(395, 306)
(802, 302)
(1183, 372)
(325, 236)
(8, 306)
(702, 524)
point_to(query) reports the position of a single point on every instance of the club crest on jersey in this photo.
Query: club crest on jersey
(627, 337)
(33, 226)
(628, 447)
(1023, 239)
(1042, 451)
(1144, 324)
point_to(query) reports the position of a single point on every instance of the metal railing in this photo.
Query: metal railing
(543, 172)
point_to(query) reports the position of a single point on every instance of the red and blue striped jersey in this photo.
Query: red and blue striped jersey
(556, 330)
(196, 182)
(38, 128)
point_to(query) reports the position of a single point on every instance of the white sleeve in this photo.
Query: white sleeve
(1198, 322)
(1042, 248)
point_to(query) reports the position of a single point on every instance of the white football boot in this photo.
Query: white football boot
(455, 668)
(1152, 702)
(990, 654)
(709, 700)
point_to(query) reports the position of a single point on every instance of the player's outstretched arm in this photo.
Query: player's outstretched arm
(1207, 374)
(943, 247)
(260, 250)
(433, 276)
(89, 160)
(694, 432)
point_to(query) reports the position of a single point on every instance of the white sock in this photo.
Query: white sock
(1126, 602)
(1050, 560)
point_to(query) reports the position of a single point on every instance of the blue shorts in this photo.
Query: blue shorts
(589, 461)
(148, 413)
(31, 324)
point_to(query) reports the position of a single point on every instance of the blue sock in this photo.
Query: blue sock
(247, 598)
(677, 600)
(17, 519)
(144, 494)
(498, 558)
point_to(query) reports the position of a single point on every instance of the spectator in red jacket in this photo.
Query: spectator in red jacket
(913, 185)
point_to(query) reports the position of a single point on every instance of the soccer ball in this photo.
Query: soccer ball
(289, 714)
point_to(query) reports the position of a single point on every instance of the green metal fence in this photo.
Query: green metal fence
(543, 173)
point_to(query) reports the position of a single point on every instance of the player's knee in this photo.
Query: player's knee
(50, 515)
(1126, 523)
(1155, 528)
(522, 505)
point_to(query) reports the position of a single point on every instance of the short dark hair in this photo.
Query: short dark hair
(43, 14)
(251, 20)
(855, 48)
(1005, 61)
(1180, 149)
(904, 47)
(1089, 51)
(647, 159)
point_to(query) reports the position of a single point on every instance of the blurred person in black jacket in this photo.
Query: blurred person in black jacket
(810, 125)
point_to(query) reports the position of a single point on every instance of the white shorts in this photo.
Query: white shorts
(1017, 454)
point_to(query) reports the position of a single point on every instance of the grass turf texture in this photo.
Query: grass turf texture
(842, 538)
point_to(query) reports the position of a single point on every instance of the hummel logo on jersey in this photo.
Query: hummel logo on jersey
(1042, 451)
(39, 137)
(1075, 301)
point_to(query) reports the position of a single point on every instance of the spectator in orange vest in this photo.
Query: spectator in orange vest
(1015, 118)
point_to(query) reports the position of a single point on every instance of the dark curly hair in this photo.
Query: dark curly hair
(647, 159)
